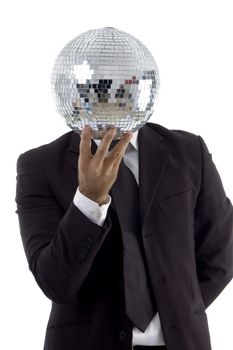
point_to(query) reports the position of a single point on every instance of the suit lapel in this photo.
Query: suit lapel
(153, 158)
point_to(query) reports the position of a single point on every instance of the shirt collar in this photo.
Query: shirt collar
(133, 141)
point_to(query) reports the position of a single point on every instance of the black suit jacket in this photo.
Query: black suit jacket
(187, 231)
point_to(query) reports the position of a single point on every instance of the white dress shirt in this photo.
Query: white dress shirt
(97, 214)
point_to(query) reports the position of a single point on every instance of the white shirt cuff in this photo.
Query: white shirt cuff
(95, 212)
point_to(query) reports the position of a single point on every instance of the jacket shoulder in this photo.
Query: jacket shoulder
(48, 150)
(176, 135)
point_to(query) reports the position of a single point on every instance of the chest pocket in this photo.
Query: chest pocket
(176, 211)
(183, 197)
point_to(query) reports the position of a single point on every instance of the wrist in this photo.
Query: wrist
(103, 201)
(96, 198)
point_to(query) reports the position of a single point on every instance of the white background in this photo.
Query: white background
(191, 42)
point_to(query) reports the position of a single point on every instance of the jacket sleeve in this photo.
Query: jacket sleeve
(213, 231)
(60, 248)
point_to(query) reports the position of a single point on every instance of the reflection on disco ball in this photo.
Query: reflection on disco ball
(105, 77)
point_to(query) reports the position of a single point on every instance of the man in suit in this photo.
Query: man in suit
(70, 224)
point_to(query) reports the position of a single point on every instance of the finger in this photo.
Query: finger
(85, 142)
(120, 148)
(117, 153)
(104, 145)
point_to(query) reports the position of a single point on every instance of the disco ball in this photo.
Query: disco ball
(105, 77)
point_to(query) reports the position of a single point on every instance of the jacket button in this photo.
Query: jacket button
(122, 335)
(87, 245)
(84, 251)
(82, 256)
(90, 239)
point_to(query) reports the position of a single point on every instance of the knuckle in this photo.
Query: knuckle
(97, 171)
(100, 150)
(107, 172)
(117, 154)
(82, 146)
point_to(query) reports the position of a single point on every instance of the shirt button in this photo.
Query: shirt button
(122, 335)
